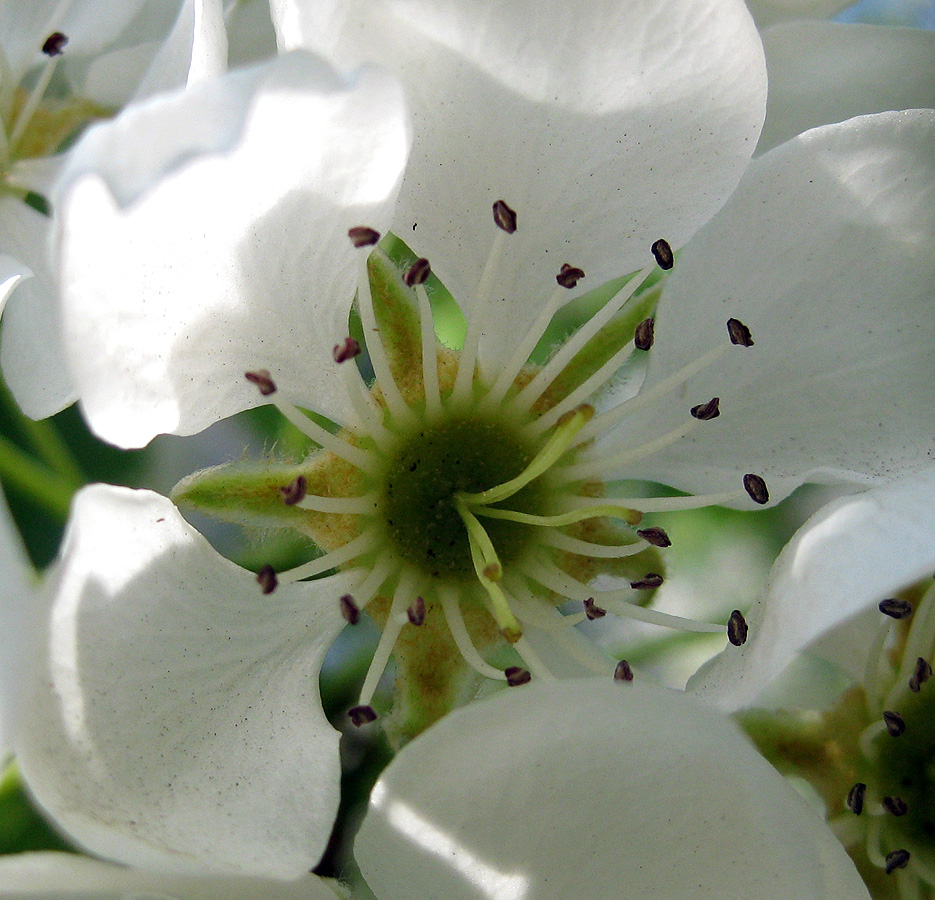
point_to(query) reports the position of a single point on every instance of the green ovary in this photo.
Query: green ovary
(468, 454)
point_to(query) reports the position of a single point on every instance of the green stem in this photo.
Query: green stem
(21, 472)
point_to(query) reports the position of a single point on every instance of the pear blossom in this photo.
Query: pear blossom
(594, 789)
(66, 63)
(838, 593)
(209, 245)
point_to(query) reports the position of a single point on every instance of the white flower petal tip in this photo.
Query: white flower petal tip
(186, 255)
(175, 721)
(831, 281)
(850, 555)
(66, 876)
(599, 790)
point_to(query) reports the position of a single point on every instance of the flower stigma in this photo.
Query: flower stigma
(466, 500)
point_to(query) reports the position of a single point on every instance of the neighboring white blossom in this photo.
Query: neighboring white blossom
(204, 235)
(99, 55)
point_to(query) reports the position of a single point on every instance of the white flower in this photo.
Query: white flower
(598, 790)
(64, 63)
(831, 595)
(205, 235)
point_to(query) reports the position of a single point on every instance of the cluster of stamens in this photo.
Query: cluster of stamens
(519, 536)
(891, 809)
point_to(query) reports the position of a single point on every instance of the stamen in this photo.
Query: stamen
(350, 611)
(523, 350)
(704, 412)
(896, 859)
(876, 662)
(895, 806)
(660, 504)
(362, 715)
(54, 44)
(36, 94)
(569, 518)
(525, 399)
(593, 611)
(267, 580)
(314, 432)
(348, 506)
(546, 573)
(896, 608)
(293, 492)
(377, 574)
(645, 334)
(433, 398)
(739, 333)
(655, 536)
(663, 254)
(647, 582)
(505, 219)
(586, 548)
(516, 676)
(416, 612)
(261, 378)
(737, 628)
(362, 236)
(569, 276)
(584, 390)
(921, 674)
(394, 623)
(531, 658)
(551, 452)
(381, 367)
(855, 798)
(452, 609)
(418, 272)
(601, 465)
(868, 736)
(347, 350)
(756, 488)
(602, 423)
(623, 672)
(361, 544)
(369, 412)
(895, 723)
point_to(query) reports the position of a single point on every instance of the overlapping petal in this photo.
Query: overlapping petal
(220, 216)
(587, 788)
(65, 876)
(825, 253)
(175, 718)
(605, 125)
(825, 72)
(848, 556)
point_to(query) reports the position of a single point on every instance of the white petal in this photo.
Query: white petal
(195, 50)
(825, 253)
(824, 72)
(66, 876)
(16, 599)
(606, 125)
(767, 12)
(31, 351)
(851, 554)
(205, 235)
(175, 719)
(593, 789)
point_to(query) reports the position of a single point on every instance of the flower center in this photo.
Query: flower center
(434, 466)
(475, 498)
